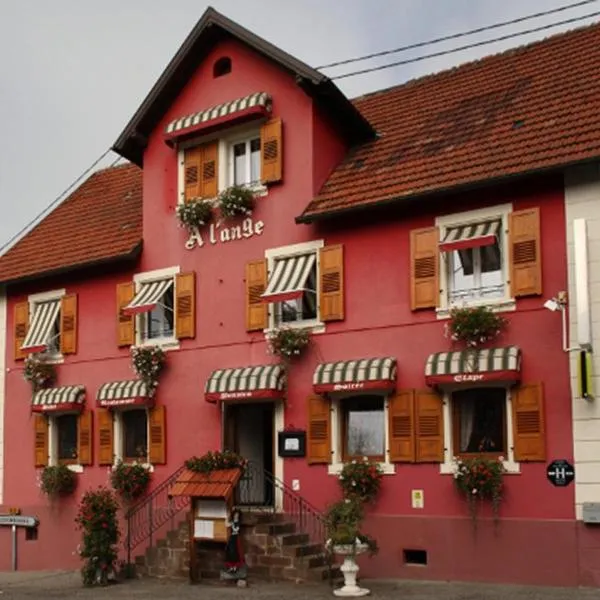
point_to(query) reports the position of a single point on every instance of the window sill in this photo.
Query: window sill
(167, 344)
(147, 466)
(336, 468)
(497, 305)
(316, 327)
(512, 468)
(53, 359)
(75, 468)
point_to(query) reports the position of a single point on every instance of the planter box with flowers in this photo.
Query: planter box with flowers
(130, 481)
(288, 343)
(58, 481)
(215, 461)
(236, 201)
(148, 363)
(194, 213)
(38, 373)
(474, 326)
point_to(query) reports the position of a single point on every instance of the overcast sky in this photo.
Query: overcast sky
(72, 72)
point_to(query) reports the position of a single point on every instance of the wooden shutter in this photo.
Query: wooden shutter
(424, 268)
(210, 170)
(430, 426)
(401, 424)
(525, 253)
(185, 305)
(331, 288)
(68, 324)
(21, 325)
(157, 446)
(105, 437)
(192, 173)
(256, 283)
(125, 323)
(85, 440)
(319, 431)
(528, 422)
(40, 428)
(271, 145)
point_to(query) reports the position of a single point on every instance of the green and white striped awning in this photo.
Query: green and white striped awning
(124, 393)
(471, 236)
(148, 296)
(361, 374)
(258, 101)
(242, 383)
(69, 397)
(290, 278)
(474, 366)
(40, 332)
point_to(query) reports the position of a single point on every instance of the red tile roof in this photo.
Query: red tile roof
(216, 484)
(532, 108)
(98, 222)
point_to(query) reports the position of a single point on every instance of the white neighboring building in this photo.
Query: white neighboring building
(3, 325)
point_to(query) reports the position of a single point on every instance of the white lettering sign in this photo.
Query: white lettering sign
(217, 233)
(468, 377)
(234, 395)
(339, 387)
(18, 521)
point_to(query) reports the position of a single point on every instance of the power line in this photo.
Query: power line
(465, 47)
(455, 36)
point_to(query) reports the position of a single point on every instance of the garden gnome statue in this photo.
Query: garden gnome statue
(235, 567)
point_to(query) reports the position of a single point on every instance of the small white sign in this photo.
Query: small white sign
(417, 499)
(204, 529)
(18, 520)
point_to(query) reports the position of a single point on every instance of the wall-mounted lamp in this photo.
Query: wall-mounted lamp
(559, 302)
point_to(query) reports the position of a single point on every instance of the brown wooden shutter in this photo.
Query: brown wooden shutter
(528, 422)
(125, 323)
(525, 253)
(271, 145)
(105, 436)
(192, 173)
(331, 289)
(21, 325)
(430, 426)
(210, 170)
(424, 268)
(319, 431)
(85, 440)
(401, 424)
(40, 428)
(185, 305)
(157, 446)
(256, 283)
(68, 324)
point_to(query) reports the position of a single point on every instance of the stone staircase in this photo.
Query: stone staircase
(274, 548)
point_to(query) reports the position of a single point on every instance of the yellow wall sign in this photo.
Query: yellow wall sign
(585, 388)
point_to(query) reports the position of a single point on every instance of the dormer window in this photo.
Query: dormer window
(222, 67)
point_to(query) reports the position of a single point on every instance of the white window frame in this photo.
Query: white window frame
(499, 212)
(447, 467)
(337, 414)
(34, 300)
(53, 442)
(274, 254)
(119, 435)
(166, 343)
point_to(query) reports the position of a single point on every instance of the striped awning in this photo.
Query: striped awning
(148, 296)
(474, 366)
(40, 331)
(470, 236)
(350, 375)
(124, 393)
(259, 102)
(260, 382)
(289, 278)
(69, 397)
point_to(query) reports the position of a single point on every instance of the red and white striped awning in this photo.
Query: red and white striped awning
(148, 296)
(66, 398)
(471, 236)
(266, 382)
(124, 393)
(40, 331)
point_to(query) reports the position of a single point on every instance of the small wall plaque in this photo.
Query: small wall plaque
(291, 444)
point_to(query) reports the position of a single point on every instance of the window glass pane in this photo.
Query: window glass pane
(159, 321)
(66, 426)
(365, 426)
(255, 160)
(135, 433)
(303, 308)
(481, 420)
(239, 164)
(492, 278)
(462, 274)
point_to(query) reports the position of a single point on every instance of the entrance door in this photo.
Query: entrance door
(249, 431)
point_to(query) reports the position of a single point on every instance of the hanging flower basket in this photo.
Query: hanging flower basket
(361, 480)
(475, 326)
(215, 461)
(38, 373)
(194, 213)
(130, 481)
(236, 201)
(288, 343)
(148, 363)
(58, 481)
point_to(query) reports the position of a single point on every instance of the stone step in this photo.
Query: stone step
(294, 539)
(280, 528)
(303, 549)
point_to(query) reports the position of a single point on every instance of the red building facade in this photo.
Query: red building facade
(380, 378)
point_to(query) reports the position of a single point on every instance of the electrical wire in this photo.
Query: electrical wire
(455, 36)
(465, 47)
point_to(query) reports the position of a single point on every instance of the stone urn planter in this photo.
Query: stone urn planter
(350, 569)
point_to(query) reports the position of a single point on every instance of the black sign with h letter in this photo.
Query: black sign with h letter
(560, 473)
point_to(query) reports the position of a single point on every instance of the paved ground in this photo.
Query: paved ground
(18, 586)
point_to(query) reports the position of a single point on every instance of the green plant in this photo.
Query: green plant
(130, 481)
(474, 326)
(361, 480)
(97, 519)
(148, 363)
(215, 461)
(288, 342)
(236, 200)
(38, 373)
(58, 481)
(343, 521)
(194, 213)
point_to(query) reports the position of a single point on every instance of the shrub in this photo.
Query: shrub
(130, 481)
(148, 363)
(236, 200)
(58, 481)
(39, 373)
(288, 342)
(475, 326)
(215, 461)
(194, 213)
(361, 480)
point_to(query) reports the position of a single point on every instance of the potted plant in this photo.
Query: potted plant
(288, 343)
(130, 481)
(148, 363)
(236, 201)
(361, 480)
(474, 326)
(215, 461)
(57, 481)
(194, 213)
(38, 373)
